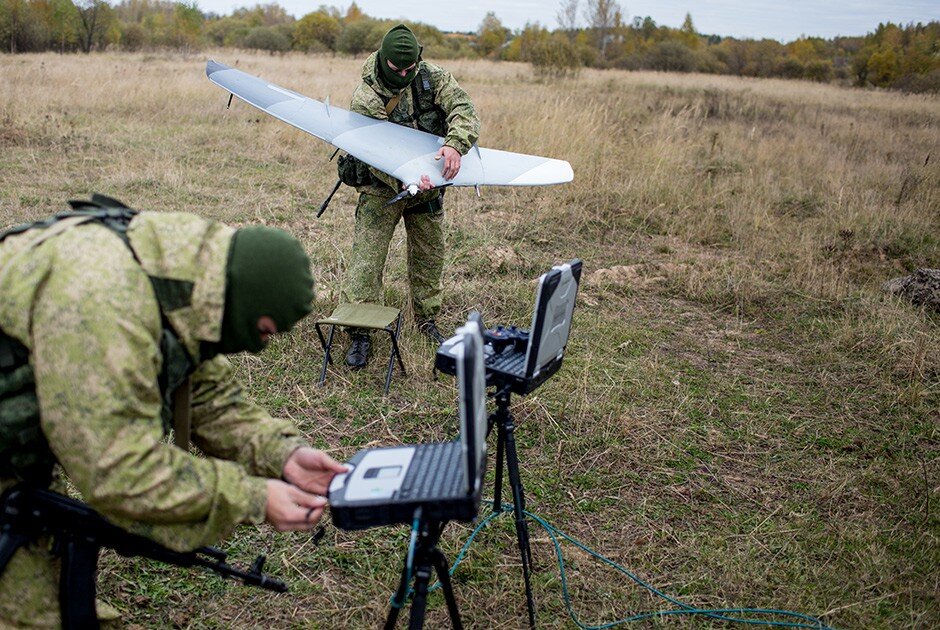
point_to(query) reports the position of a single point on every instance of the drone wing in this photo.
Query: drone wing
(404, 153)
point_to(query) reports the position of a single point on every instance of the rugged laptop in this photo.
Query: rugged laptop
(525, 359)
(386, 485)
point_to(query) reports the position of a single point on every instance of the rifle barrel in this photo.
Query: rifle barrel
(326, 202)
(28, 513)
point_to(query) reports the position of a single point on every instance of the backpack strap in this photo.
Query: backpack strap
(392, 103)
(425, 77)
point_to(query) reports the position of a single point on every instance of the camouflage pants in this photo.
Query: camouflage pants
(375, 225)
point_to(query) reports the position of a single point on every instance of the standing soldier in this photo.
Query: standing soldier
(114, 326)
(397, 85)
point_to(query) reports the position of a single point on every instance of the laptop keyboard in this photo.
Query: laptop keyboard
(509, 362)
(434, 472)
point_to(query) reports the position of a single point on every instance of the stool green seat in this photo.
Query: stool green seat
(366, 316)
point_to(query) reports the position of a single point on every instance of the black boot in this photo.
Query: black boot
(428, 328)
(358, 353)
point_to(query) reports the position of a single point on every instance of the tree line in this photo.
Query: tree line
(591, 33)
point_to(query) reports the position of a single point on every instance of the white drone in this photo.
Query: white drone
(402, 152)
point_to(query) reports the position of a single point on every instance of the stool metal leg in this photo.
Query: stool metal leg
(391, 361)
(395, 344)
(327, 345)
(395, 354)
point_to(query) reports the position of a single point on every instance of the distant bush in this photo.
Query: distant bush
(790, 68)
(268, 38)
(226, 32)
(451, 48)
(317, 32)
(554, 56)
(707, 61)
(362, 35)
(670, 56)
(919, 83)
(818, 70)
(427, 35)
(133, 37)
(587, 54)
(521, 46)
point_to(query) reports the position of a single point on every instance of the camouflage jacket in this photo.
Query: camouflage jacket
(461, 121)
(85, 308)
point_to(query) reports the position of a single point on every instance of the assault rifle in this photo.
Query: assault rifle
(79, 533)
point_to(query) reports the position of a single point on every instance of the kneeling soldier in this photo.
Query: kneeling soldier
(110, 319)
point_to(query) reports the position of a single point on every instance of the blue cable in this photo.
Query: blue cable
(685, 609)
(719, 614)
(409, 561)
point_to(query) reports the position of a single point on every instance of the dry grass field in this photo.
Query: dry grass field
(743, 418)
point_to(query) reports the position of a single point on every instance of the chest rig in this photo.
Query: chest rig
(24, 451)
(425, 114)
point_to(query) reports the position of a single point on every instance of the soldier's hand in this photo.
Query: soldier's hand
(424, 184)
(291, 509)
(311, 469)
(451, 161)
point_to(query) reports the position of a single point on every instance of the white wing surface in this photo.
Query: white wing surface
(404, 153)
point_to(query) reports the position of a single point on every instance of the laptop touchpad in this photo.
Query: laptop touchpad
(379, 475)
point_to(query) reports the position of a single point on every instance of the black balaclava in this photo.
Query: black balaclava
(268, 273)
(401, 48)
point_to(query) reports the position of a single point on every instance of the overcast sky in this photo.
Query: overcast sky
(778, 19)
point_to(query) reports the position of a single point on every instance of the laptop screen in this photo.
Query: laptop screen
(471, 381)
(551, 317)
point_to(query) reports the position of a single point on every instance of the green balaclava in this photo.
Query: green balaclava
(401, 48)
(268, 273)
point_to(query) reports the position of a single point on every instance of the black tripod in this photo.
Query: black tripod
(423, 554)
(506, 445)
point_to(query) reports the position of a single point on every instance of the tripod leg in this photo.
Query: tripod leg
(420, 600)
(498, 485)
(515, 484)
(392, 617)
(522, 528)
(440, 563)
(398, 600)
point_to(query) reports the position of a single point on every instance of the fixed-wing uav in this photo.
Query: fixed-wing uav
(402, 152)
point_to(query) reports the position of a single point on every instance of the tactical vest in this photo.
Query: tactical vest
(24, 451)
(427, 116)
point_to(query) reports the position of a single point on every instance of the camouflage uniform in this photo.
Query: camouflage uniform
(75, 296)
(375, 223)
